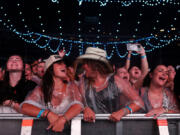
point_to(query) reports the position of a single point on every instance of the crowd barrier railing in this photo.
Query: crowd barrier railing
(132, 124)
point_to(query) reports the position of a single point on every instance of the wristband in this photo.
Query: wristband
(40, 112)
(144, 56)
(129, 109)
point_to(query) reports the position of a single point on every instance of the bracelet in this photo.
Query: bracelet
(144, 56)
(47, 113)
(40, 112)
(129, 109)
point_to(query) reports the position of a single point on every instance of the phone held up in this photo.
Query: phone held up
(134, 47)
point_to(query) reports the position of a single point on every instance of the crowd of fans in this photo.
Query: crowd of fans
(54, 90)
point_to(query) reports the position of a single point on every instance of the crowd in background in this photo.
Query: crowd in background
(55, 90)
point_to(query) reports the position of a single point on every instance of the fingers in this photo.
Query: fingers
(113, 117)
(49, 127)
(55, 127)
(89, 118)
(156, 115)
(150, 114)
(89, 115)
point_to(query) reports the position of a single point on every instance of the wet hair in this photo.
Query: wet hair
(48, 83)
(98, 66)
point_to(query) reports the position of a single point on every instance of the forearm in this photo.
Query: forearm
(30, 110)
(144, 64)
(134, 107)
(73, 111)
(128, 60)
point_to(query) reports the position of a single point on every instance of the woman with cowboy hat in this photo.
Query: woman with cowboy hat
(56, 99)
(101, 89)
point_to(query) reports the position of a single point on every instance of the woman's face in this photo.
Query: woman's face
(135, 72)
(15, 63)
(159, 75)
(60, 71)
(123, 73)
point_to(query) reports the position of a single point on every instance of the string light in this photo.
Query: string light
(130, 2)
(148, 42)
(115, 44)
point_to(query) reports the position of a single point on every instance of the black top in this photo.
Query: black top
(104, 101)
(17, 93)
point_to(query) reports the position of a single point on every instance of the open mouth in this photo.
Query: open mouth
(162, 78)
(63, 70)
(125, 77)
(136, 72)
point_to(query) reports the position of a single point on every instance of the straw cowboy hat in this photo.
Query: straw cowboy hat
(96, 54)
(52, 59)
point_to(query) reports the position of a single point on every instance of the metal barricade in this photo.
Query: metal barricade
(132, 124)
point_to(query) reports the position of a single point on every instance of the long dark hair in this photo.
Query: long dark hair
(5, 84)
(48, 83)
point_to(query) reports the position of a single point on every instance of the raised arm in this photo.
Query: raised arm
(144, 68)
(128, 60)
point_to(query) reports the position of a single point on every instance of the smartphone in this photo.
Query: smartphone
(134, 47)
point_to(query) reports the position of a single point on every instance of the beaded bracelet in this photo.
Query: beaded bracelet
(129, 109)
(40, 112)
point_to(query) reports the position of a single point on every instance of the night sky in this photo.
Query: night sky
(10, 43)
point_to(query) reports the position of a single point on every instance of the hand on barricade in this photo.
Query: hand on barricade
(52, 117)
(58, 125)
(89, 115)
(156, 112)
(116, 116)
